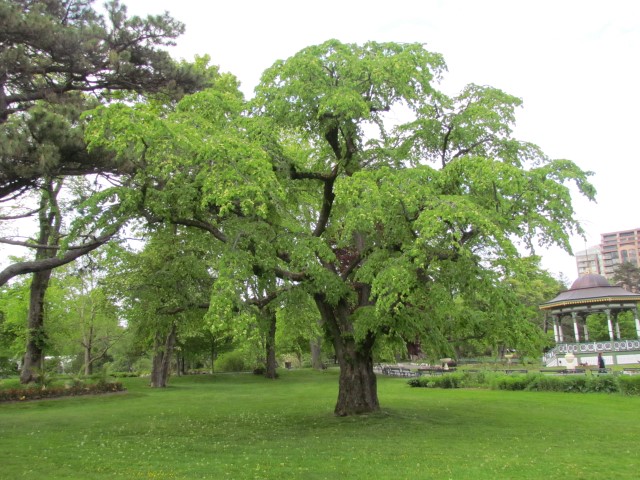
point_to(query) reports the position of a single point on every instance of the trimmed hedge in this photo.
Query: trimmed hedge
(449, 380)
(39, 393)
(627, 385)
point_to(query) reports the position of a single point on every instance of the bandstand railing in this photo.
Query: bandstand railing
(591, 347)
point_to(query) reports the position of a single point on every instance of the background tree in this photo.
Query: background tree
(14, 305)
(598, 326)
(54, 53)
(82, 320)
(299, 331)
(627, 275)
(202, 347)
(164, 291)
(533, 287)
(387, 228)
(51, 50)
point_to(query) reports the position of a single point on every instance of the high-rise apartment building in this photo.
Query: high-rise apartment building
(589, 261)
(615, 248)
(619, 247)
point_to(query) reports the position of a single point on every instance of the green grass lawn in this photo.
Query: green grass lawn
(245, 427)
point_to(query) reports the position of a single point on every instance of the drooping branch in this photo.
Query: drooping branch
(464, 151)
(202, 225)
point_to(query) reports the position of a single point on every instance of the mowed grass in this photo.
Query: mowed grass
(245, 427)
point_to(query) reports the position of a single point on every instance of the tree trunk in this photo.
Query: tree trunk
(163, 352)
(357, 387)
(49, 219)
(182, 364)
(213, 354)
(316, 353)
(88, 347)
(34, 354)
(271, 347)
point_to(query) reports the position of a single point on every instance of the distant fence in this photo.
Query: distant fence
(591, 347)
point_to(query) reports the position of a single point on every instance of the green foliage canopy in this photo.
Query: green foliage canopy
(398, 209)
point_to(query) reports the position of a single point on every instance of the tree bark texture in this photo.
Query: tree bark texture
(357, 387)
(316, 353)
(271, 347)
(36, 337)
(162, 354)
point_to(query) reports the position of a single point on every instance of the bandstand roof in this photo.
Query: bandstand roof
(591, 291)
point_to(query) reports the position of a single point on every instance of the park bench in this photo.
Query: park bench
(434, 371)
(565, 371)
(631, 371)
(516, 370)
(429, 371)
(398, 371)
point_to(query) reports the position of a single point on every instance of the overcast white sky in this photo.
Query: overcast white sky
(574, 63)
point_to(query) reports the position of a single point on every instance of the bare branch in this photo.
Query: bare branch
(293, 276)
(187, 222)
(22, 215)
(18, 243)
(22, 268)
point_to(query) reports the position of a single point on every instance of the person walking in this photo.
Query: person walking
(601, 364)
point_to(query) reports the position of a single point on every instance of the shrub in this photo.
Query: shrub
(474, 379)
(143, 365)
(604, 384)
(124, 374)
(231, 362)
(534, 382)
(419, 382)
(547, 383)
(74, 381)
(629, 385)
(511, 382)
(448, 380)
(10, 383)
(8, 367)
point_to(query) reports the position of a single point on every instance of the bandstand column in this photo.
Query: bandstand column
(586, 331)
(635, 312)
(556, 337)
(560, 334)
(574, 315)
(608, 312)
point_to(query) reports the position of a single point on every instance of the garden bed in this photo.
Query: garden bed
(22, 394)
